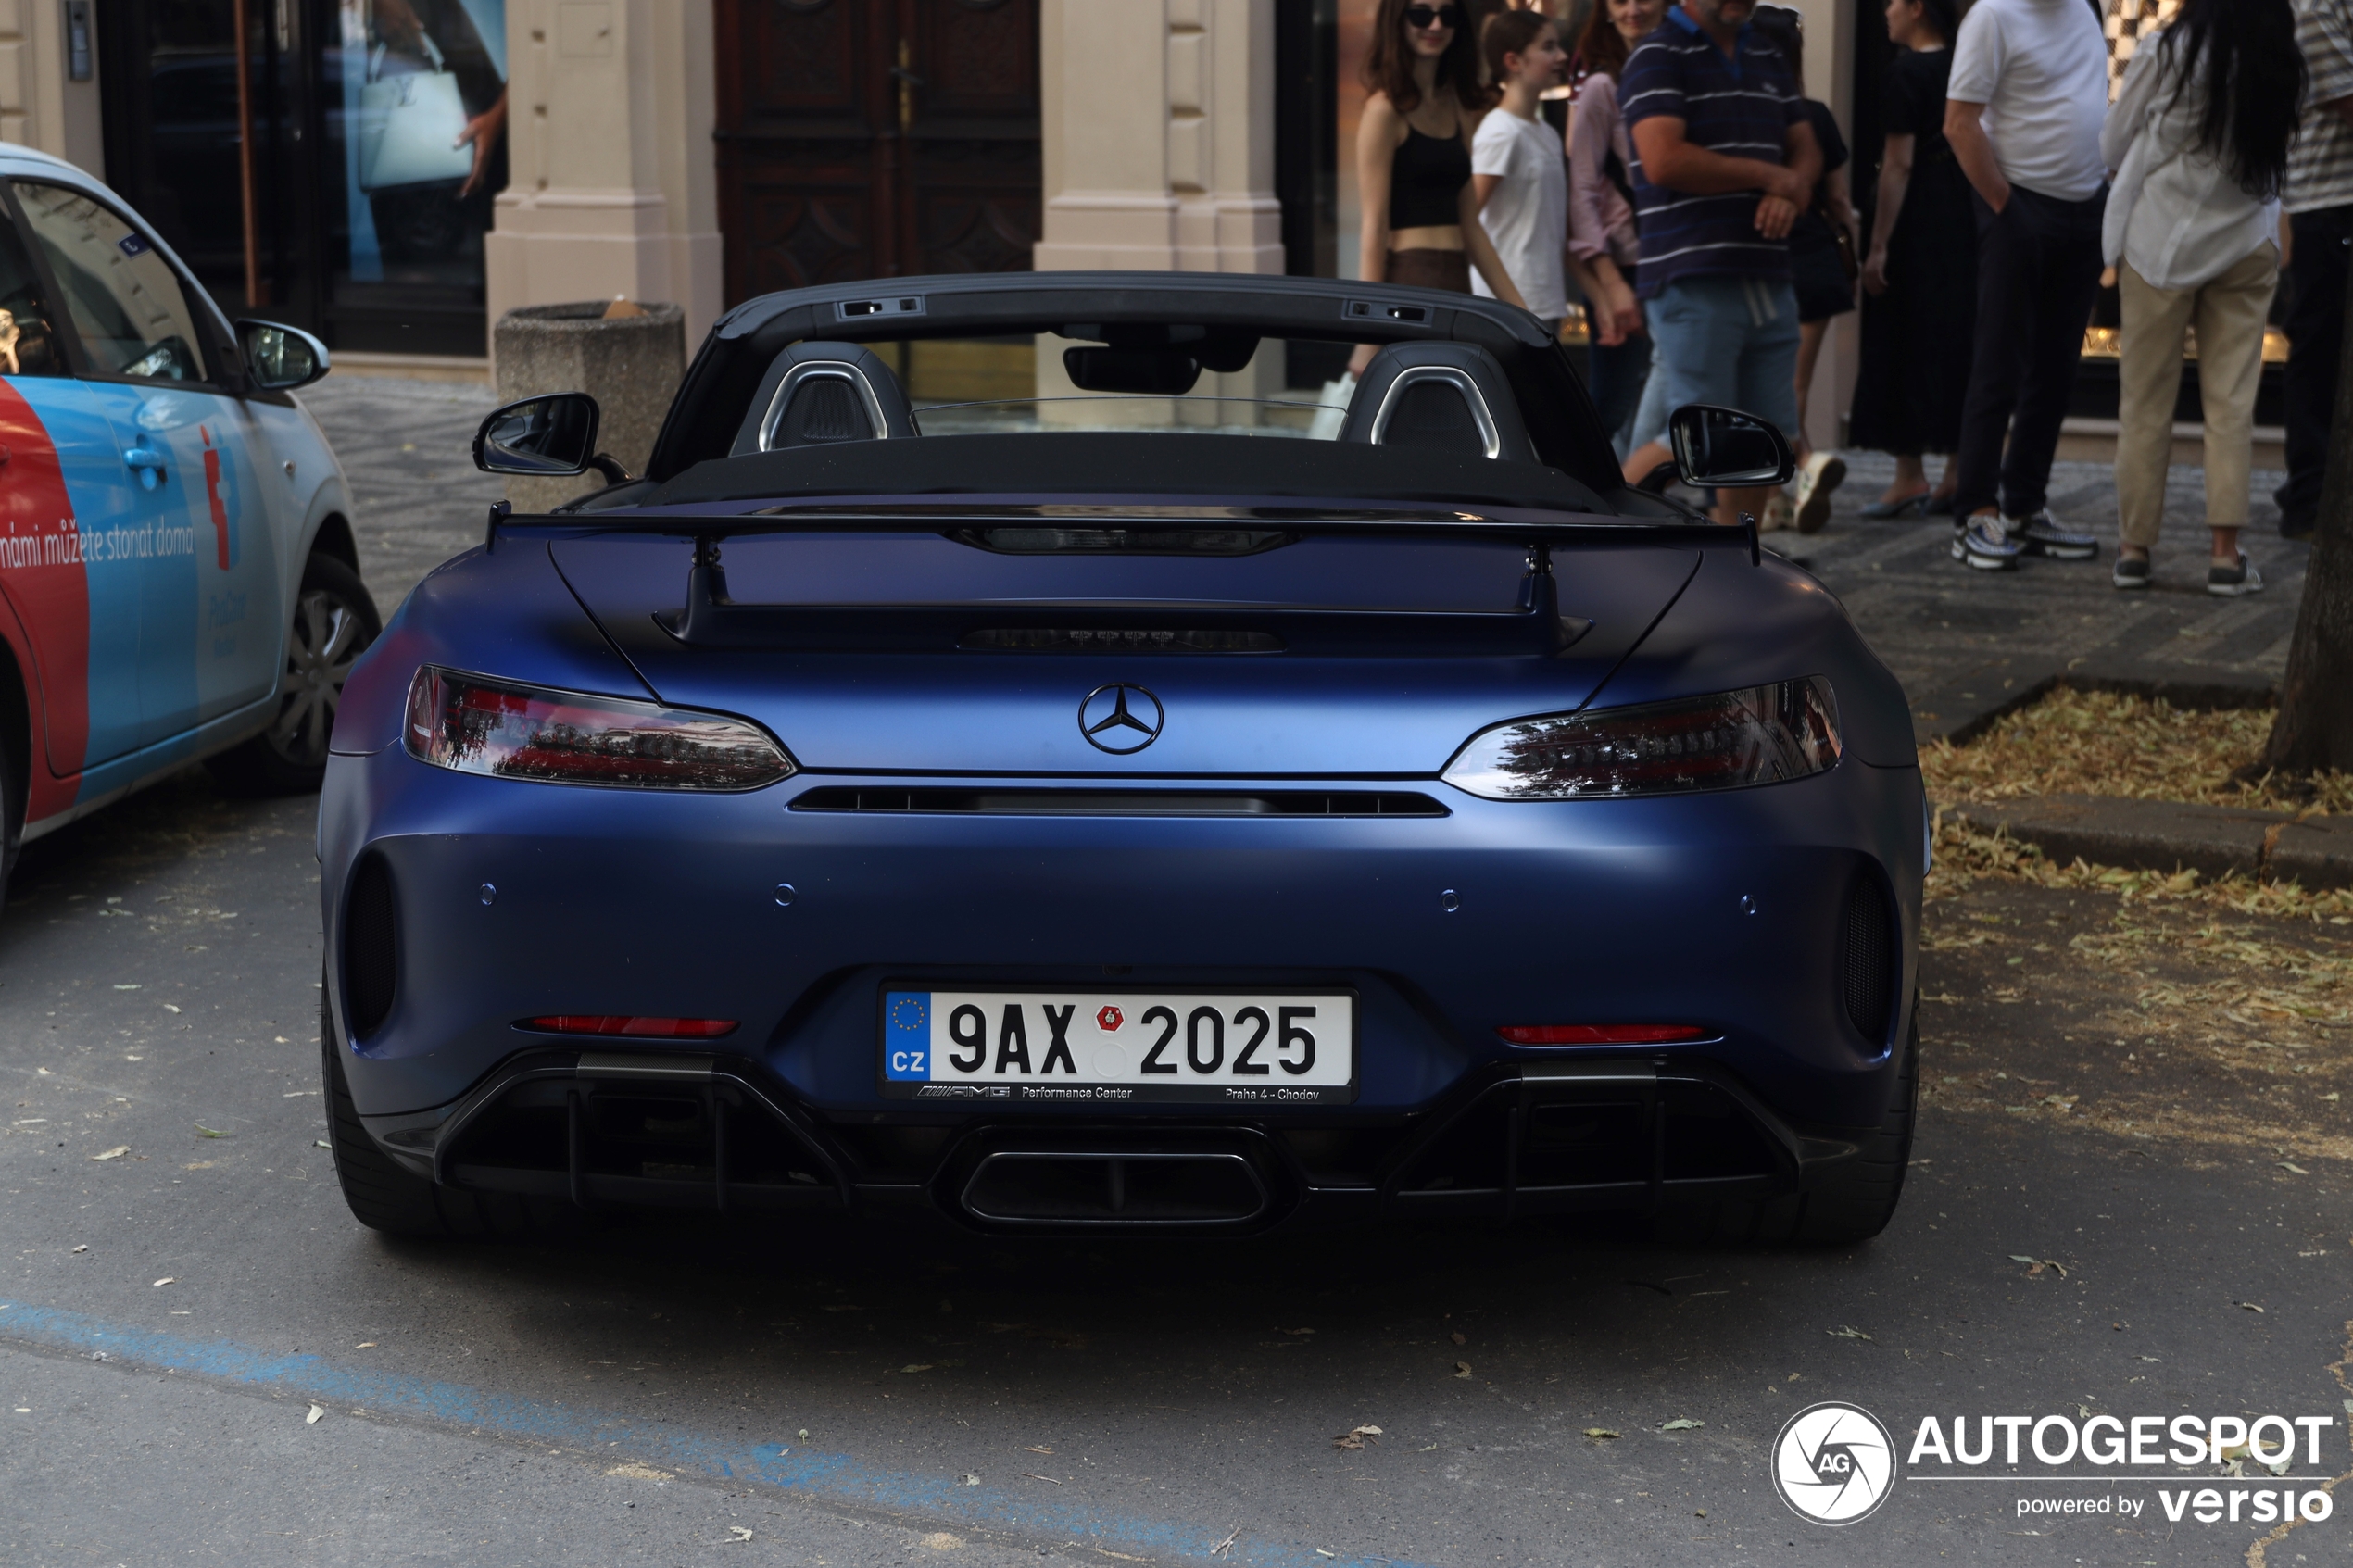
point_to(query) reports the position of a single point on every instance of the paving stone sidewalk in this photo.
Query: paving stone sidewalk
(1961, 639)
(408, 449)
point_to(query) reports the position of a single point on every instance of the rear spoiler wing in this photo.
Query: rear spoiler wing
(712, 618)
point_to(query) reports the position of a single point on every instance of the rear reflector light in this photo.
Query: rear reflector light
(624, 1023)
(514, 732)
(1727, 740)
(1600, 1033)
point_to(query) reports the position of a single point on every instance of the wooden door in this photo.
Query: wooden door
(876, 138)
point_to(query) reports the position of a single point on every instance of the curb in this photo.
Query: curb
(2169, 836)
(1965, 706)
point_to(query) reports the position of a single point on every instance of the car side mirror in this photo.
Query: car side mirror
(1723, 446)
(542, 437)
(280, 359)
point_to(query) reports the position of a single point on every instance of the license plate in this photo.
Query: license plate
(1224, 1047)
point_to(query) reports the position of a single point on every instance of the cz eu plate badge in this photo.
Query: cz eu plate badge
(1201, 1047)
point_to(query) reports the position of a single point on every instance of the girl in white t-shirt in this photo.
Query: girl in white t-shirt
(1518, 177)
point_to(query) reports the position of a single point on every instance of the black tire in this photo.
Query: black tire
(11, 819)
(1849, 1202)
(333, 623)
(1853, 1201)
(385, 1195)
(382, 1196)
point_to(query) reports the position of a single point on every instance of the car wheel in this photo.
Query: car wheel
(1855, 1200)
(11, 820)
(385, 1195)
(1852, 1201)
(333, 622)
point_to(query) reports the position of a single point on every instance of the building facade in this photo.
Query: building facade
(395, 174)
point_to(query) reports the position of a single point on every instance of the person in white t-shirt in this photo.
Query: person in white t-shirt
(2023, 113)
(1519, 176)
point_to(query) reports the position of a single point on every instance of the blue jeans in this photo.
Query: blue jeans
(1731, 341)
(1615, 382)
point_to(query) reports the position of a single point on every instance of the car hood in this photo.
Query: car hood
(873, 667)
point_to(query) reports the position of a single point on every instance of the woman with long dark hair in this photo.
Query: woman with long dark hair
(1418, 215)
(2197, 141)
(1603, 245)
(1919, 276)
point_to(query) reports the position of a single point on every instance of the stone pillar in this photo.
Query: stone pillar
(612, 188)
(39, 106)
(1159, 131)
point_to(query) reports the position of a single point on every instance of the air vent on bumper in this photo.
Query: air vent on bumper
(370, 947)
(1123, 802)
(1867, 957)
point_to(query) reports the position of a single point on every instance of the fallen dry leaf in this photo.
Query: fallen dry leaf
(1598, 1433)
(1459, 1337)
(1462, 1368)
(115, 1153)
(2298, 1170)
(1848, 1331)
(167, 1279)
(205, 1132)
(84, 1247)
(1681, 1423)
(738, 1532)
(1357, 1437)
(2250, 1306)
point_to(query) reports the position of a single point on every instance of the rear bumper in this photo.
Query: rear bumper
(511, 900)
(722, 1134)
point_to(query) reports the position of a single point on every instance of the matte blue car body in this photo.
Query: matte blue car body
(1718, 910)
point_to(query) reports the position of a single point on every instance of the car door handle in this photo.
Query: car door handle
(148, 464)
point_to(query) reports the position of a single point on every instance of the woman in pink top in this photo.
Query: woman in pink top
(1602, 248)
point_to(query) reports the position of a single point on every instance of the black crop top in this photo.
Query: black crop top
(1426, 181)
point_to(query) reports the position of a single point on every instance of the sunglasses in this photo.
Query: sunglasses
(1426, 17)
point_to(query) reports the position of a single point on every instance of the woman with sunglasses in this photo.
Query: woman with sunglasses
(1420, 215)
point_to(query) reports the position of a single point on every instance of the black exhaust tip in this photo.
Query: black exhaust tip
(1111, 1188)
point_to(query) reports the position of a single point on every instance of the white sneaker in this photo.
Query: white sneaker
(1822, 474)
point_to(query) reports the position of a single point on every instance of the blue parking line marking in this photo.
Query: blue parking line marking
(830, 1477)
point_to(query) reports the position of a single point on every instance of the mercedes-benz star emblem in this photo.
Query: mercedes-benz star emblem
(1120, 719)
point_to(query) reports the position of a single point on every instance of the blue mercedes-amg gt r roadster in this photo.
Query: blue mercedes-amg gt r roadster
(1175, 792)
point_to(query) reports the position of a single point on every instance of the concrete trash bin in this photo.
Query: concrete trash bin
(630, 363)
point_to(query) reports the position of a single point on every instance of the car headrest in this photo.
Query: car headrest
(1443, 396)
(817, 393)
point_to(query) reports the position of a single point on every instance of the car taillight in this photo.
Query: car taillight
(1727, 740)
(515, 732)
(1600, 1033)
(625, 1023)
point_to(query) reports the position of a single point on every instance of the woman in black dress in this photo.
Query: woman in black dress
(1920, 280)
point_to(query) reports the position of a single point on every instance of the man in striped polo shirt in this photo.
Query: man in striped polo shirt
(1724, 162)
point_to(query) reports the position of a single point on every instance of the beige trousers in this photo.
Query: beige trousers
(2228, 313)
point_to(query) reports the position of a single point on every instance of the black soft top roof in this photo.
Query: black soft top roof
(726, 373)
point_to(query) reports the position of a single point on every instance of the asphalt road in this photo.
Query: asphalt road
(175, 1314)
(202, 1359)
